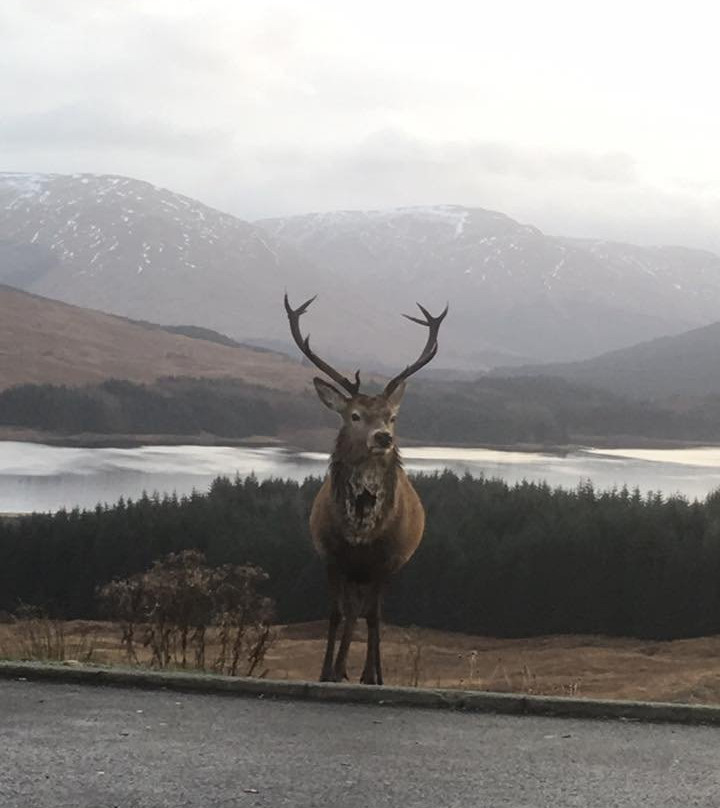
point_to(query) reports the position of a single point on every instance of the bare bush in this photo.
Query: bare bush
(244, 619)
(179, 607)
(179, 599)
(123, 601)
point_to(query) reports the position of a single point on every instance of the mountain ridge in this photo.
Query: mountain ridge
(682, 366)
(524, 291)
(516, 295)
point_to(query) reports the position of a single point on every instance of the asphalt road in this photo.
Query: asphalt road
(93, 747)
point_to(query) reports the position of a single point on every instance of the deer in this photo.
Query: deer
(367, 520)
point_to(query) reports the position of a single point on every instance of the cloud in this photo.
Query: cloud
(564, 192)
(391, 167)
(83, 125)
(542, 163)
(270, 107)
(390, 148)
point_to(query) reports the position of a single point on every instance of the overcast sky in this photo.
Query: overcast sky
(584, 119)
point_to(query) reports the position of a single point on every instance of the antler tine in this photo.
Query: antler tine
(428, 352)
(304, 344)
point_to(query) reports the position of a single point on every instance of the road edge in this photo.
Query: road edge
(431, 698)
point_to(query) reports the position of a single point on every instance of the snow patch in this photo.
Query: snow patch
(25, 184)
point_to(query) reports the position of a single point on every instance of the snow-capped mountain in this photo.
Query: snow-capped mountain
(513, 290)
(130, 248)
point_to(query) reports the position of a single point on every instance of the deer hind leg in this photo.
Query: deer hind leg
(372, 672)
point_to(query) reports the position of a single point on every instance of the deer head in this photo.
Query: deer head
(368, 421)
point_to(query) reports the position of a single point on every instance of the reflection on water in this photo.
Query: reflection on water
(44, 478)
(703, 456)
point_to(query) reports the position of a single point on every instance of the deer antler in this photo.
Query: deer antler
(428, 352)
(304, 344)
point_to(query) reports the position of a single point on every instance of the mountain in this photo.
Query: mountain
(127, 247)
(130, 248)
(516, 295)
(683, 366)
(45, 341)
(513, 290)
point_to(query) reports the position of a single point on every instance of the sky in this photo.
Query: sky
(597, 120)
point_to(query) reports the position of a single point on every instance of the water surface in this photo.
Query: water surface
(35, 477)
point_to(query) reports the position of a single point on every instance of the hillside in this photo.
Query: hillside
(683, 366)
(516, 295)
(44, 341)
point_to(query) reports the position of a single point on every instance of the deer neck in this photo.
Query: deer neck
(363, 490)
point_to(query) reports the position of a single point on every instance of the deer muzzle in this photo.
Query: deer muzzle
(382, 441)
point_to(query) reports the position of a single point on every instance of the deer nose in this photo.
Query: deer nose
(383, 439)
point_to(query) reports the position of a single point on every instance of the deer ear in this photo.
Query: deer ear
(395, 397)
(330, 396)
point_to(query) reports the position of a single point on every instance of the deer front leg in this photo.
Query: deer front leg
(372, 672)
(326, 675)
(351, 609)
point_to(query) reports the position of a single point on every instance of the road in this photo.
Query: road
(67, 746)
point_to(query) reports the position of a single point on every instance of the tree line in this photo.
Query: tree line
(489, 410)
(499, 560)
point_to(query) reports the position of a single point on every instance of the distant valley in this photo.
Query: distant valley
(69, 371)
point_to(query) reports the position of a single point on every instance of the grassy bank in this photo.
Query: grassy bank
(573, 665)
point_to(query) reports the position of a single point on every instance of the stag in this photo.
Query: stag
(367, 520)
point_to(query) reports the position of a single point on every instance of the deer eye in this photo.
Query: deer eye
(392, 419)
(355, 416)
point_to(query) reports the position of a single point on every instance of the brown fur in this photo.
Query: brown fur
(399, 530)
(366, 523)
(367, 520)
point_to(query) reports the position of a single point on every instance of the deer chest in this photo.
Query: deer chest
(365, 505)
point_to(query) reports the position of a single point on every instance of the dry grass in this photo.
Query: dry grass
(592, 667)
(588, 666)
(51, 640)
(46, 341)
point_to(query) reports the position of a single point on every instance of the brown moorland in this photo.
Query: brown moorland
(686, 671)
(44, 341)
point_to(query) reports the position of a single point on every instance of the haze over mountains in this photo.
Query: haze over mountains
(516, 295)
(686, 365)
(513, 290)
